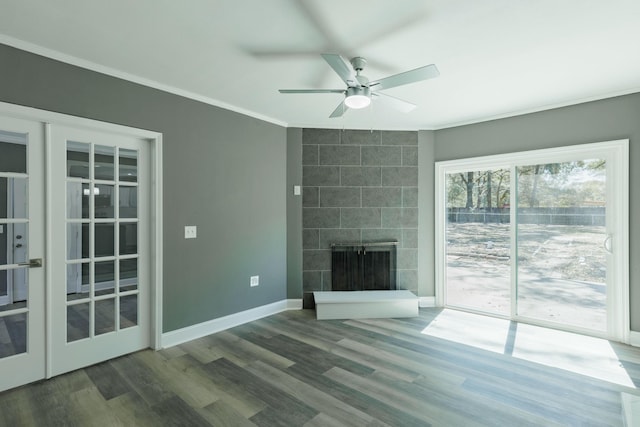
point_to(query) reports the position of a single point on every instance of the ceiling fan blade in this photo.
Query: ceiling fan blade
(342, 68)
(394, 102)
(311, 90)
(419, 74)
(339, 111)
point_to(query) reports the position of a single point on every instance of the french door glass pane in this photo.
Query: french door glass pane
(77, 281)
(561, 234)
(13, 147)
(128, 239)
(16, 188)
(13, 339)
(128, 165)
(128, 274)
(104, 166)
(128, 202)
(78, 321)
(104, 198)
(78, 159)
(477, 240)
(128, 311)
(105, 316)
(77, 241)
(77, 200)
(105, 277)
(14, 243)
(15, 283)
(104, 240)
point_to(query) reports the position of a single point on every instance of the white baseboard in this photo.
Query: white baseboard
(634, 338)
(424, 302)
(294, 304)
(169, 339)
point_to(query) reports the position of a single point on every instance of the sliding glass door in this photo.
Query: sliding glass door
(561, 243)
(478, 224)
(538, 236)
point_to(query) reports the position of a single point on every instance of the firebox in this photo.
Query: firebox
(363, 266)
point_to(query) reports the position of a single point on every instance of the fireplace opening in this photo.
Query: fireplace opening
(363, 266)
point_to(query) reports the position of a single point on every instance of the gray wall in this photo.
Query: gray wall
(426, 197)
(223, 172)
(605, 120)
(358, 186)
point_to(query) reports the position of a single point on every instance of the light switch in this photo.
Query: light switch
(296, 190)
(1, 228)
(190, 231)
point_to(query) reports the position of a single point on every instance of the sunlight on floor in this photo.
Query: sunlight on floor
(581, 354)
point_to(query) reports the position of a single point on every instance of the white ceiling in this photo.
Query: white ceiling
(496, 57)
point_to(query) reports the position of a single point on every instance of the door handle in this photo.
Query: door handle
(607, 243)
(35, 262)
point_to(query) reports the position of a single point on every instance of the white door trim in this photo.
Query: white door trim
(619, 328)
(155, 143)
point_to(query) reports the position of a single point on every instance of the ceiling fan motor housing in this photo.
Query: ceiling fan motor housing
(359, 91)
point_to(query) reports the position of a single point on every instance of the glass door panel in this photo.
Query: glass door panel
(21, 237)
(478, 241)
(100, 316)
(564, 260)
(14, 247)
(562, 263)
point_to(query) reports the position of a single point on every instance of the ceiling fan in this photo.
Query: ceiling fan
(360, 90)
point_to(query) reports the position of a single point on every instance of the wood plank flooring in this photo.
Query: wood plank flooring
(293, 370)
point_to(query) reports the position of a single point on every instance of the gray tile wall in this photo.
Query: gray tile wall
(358, 186)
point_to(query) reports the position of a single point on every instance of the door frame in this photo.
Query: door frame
(618, 310)
(156, 218)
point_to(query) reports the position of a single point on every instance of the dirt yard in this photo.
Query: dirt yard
(562, 271)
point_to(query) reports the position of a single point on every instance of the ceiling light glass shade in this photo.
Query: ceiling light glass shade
(358, 97)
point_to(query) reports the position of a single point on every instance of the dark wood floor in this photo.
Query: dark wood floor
(292, 370)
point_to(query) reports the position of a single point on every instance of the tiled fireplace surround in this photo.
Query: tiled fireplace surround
(358, 186)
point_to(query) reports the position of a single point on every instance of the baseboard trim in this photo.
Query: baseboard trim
(634, 338)
(424, 302)
(179, 336)
(294, 304)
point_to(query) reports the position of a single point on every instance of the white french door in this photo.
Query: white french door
(540, 236)
(76, 239)
(22, 289)
(100, 208)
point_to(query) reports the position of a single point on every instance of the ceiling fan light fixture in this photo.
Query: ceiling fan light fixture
(358, 97)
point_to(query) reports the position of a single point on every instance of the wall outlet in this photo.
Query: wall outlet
(190, 231)
(255, 281)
